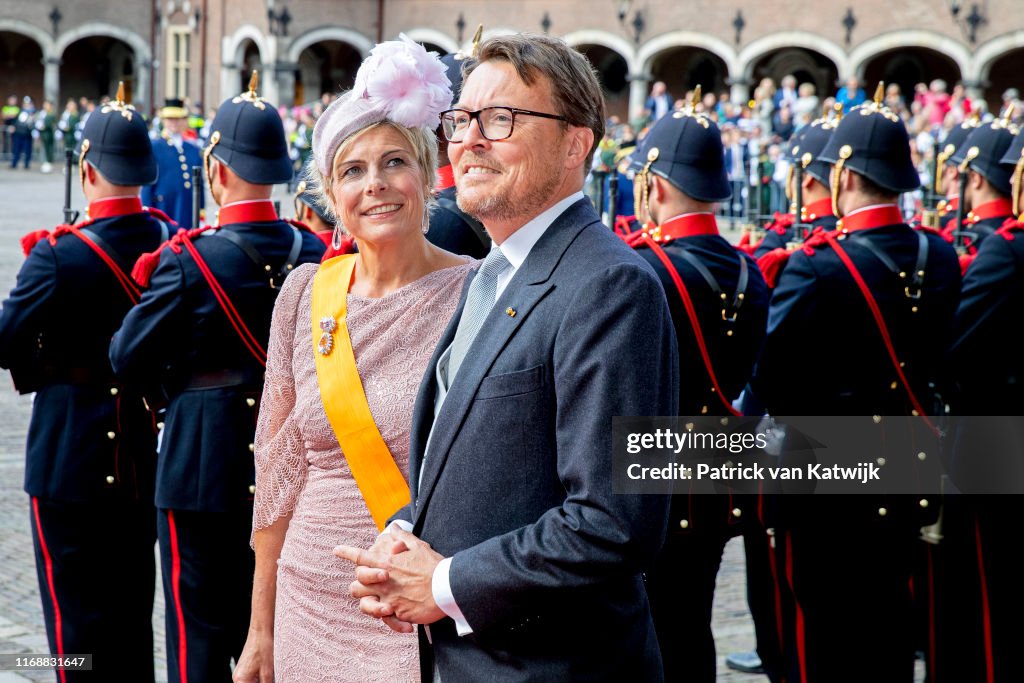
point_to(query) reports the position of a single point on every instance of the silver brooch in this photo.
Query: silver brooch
(326, 344)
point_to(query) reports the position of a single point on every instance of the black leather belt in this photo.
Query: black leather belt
(223, 378)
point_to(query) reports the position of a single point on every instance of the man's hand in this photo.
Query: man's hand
(393, 578)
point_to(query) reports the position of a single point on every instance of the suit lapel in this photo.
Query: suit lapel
(526, 289)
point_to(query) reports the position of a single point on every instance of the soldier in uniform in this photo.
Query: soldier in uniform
(987, 191)
(309, 212)
(175, 157)
(91, 453)
(202, 327)
(979, 596)
(681, 175)
(947, 179)
(880, 297)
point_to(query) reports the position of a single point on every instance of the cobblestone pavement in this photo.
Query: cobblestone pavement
(31, 201)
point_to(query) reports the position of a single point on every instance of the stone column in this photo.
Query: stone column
(284, 75)
(739, 90)
(51, 81)
(638, 88)
(975, 90)
(229, 80)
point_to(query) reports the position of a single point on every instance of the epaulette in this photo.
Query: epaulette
(1010, 226)
(624, 225)
(31, 239)
(781, 222)
(772, 263)
(298, 225)
(159, 215)
(148, 262)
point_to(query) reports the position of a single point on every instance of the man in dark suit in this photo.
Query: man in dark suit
(175, 157)
(202, 328)
(518, 545)
(879, 297)
(91, 451)
(681, 175)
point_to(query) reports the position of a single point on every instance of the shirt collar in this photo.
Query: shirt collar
(519, 244)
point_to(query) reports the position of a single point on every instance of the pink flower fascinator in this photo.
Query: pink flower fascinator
(400, 81)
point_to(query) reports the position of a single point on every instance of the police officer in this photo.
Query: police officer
(987, 190)
(681, 175)
(203, 327)
(91, 452)
(175, 157)
(816, 205)
(978, 588)
(848, 559)
(451, 228)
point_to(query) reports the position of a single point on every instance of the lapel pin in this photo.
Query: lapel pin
(510, 312)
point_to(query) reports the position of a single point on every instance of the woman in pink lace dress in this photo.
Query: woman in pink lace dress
(376, 175)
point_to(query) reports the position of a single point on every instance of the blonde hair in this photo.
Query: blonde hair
(423, 143)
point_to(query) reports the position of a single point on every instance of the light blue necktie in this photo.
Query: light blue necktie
(479, 302)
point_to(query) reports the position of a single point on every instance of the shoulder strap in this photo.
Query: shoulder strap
(913, 290)
(691, 313)
(883, 329)
(451, 205)
(273, 279)
(373, 467)
(251, 343)
(112, 260)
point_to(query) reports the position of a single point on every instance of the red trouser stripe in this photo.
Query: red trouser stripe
(801, 644)
(48, 562)
(176, 589)
(986, 612)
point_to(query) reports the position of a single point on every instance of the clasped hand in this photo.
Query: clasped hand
(393, 579)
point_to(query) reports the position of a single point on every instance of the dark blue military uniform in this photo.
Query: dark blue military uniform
(730, 299)
(804, 150)
(848, 560)
(172, 192)
(91, 446)
(979, 596)
(981, 152)
(213, 381)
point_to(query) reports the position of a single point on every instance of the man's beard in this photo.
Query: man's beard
(503, 206)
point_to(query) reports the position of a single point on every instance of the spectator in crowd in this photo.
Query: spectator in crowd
(659, 102)
(46, 126)
(851, 94)
(807, 106)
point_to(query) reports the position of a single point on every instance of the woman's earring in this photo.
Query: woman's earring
(339, 229)
(425, 226)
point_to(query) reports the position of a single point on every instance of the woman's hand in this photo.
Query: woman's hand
(256, 665)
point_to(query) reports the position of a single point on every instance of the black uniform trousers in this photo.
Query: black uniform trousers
(92, 605)
(207, 568)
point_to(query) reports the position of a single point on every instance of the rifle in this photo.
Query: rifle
(197, 193)
(70, 215)
(965, 171)
(798, 202)
(613, 191)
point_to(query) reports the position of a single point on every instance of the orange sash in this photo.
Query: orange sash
(373, 467)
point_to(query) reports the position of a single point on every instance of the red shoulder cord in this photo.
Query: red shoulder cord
(250, 341)
(694, 322)
(882, 327)
(126, 282)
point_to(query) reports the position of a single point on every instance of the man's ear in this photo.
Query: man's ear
(807, 180)
(581, 141)
(90, 172)
(658, 188)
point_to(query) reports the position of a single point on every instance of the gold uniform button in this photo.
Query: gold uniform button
(921, 456)
(111, 435)
(881, 462)
(159, 425)
(684, 524)
(252, 488)
(185, 175)
(923, 502)
(736, 512)
(250, 402)
(876, 418)
(181, 158)
(188, 185)
(110, 479)
(882, 512)
(113, 391)
(184, 167)
(252, 448)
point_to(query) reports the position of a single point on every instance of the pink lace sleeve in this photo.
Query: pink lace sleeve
(281, 463)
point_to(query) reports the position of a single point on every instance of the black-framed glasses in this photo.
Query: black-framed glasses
(496, 123)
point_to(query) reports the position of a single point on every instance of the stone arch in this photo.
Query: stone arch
(758, 49)
(434, 37)
(609, 40)
(232, 47)
(652, 48)
(141, 59)
(988, 54)
(34, 32)
(871, 48)
(325, 33)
